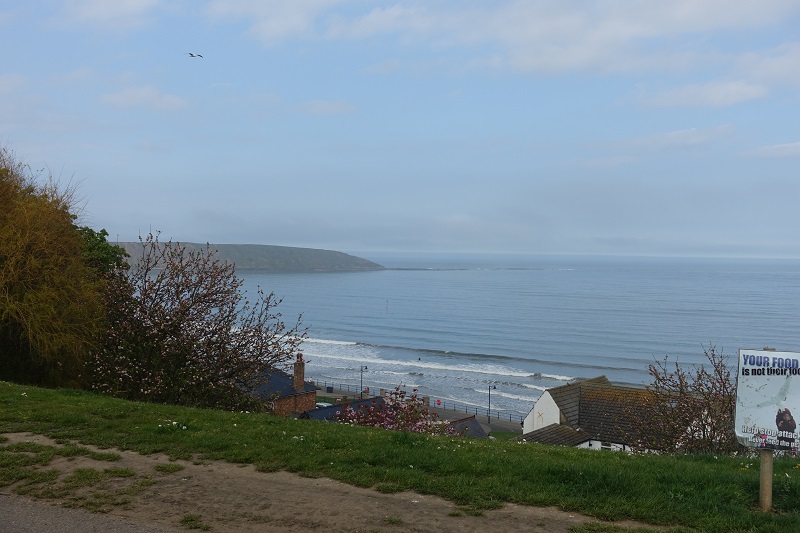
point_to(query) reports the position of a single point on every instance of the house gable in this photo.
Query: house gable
(559, 405)
(544, 413)
(592, 414)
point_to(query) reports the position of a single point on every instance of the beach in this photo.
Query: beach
(474, 331)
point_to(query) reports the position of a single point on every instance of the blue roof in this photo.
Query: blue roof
(278, 383)
(329, 413)
(466, 427)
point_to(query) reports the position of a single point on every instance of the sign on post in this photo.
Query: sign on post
(767, 399)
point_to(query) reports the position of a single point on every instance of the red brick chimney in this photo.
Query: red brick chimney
(299, 374)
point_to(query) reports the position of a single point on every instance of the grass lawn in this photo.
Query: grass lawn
(692, 493)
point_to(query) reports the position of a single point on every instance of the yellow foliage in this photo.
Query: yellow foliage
(50, 307)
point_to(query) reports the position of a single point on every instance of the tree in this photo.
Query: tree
(399, 412)
(105, 258)
(50, 298)
(690, 410)
(181, 332)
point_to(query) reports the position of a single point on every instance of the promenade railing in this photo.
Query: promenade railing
(497, 414)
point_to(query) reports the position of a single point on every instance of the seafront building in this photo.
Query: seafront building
(592, 413)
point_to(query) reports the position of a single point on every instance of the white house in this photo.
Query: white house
(592, 413)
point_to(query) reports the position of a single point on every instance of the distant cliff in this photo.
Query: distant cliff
(277, 258)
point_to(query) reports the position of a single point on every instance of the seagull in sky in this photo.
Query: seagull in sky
(193, 55)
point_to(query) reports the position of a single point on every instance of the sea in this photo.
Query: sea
(492, 332)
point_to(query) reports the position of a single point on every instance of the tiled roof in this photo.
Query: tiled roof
(468, 427)
(280, 384)
(599, 410)
(611, 412)
(556, 435)
(567, 398)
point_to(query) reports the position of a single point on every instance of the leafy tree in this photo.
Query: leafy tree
(182, 332)
(690, 410)
(105, 258)
(50, 298)
(399, 411)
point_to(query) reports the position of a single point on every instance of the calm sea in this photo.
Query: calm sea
(461, 327)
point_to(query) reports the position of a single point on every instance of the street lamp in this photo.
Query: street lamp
(362, 370)
(489, 412)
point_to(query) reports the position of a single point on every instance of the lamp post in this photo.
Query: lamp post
(362, 370)
(489, 412)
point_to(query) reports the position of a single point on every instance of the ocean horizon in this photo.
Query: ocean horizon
(462, 328)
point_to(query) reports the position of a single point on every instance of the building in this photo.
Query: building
(288, 395)
(591, 413)
(329, 414)
(464, 427)
(467, 427)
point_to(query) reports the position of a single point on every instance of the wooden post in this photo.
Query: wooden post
(765, 486)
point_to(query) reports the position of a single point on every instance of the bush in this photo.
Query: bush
(50, 296)
(690, 410)
(181, 332)
(399, 412)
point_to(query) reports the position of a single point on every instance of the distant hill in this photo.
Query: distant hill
(277, 258)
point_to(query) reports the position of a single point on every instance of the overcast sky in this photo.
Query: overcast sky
(622, 127)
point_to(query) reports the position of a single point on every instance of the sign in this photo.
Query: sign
(767, 399)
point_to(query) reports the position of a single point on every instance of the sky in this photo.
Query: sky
(542, 126)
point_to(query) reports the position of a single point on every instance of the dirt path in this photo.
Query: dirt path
(230, 498)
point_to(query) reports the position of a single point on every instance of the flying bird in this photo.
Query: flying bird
(193, 55)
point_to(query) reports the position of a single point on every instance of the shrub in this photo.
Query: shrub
(690, 409)
(50, 296)
(182, 332)
(399, 411)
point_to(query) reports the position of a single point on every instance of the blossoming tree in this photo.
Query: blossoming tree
(399, 411)
(690, 409)
(181, 331)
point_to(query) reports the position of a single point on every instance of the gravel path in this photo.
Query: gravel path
(20, 515)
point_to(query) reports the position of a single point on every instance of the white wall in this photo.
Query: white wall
(597, 445)
(544, 412)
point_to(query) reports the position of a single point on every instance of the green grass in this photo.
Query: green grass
(168, 468)
(505, 435)
(83, 488)
(326, 399)
(695, 493)
(194, 521)
(24, 466)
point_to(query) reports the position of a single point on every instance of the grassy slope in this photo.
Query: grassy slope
(698, 492)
